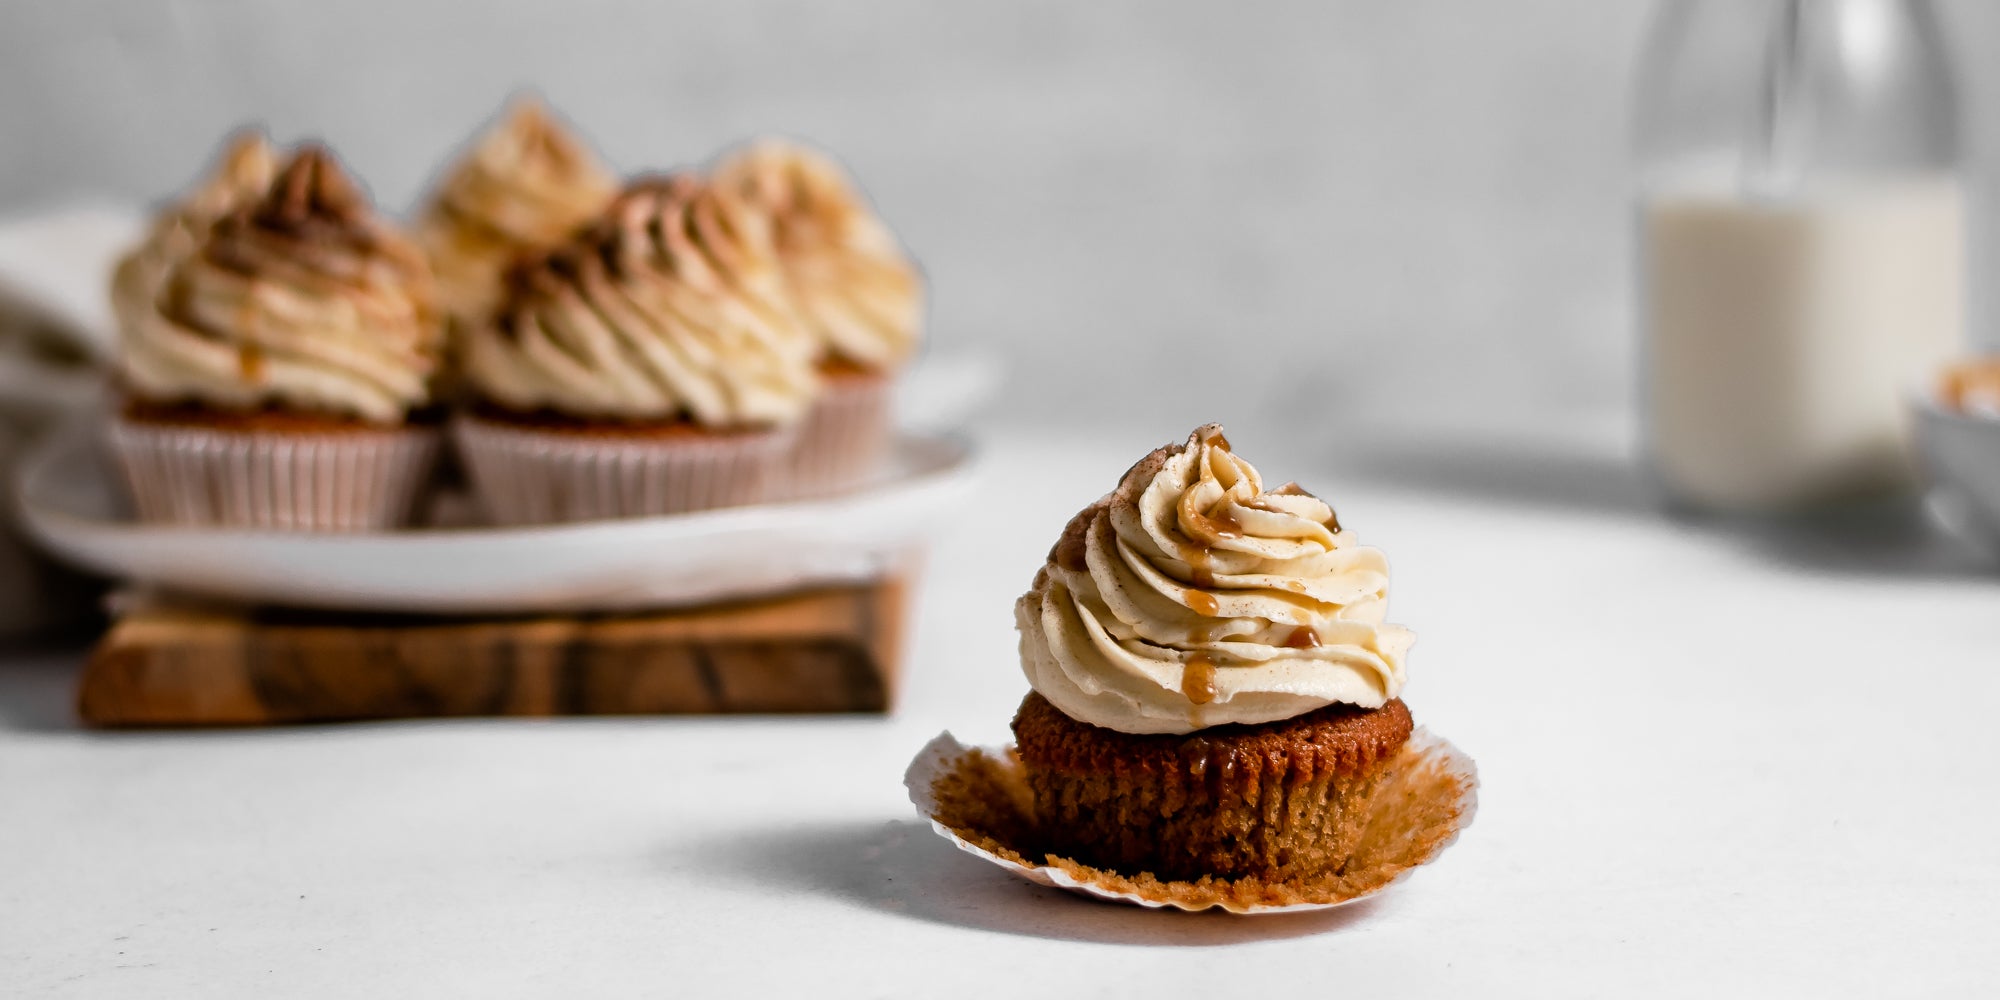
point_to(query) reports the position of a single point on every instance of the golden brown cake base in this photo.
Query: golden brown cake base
(1273, 801)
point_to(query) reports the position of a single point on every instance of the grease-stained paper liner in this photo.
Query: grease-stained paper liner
(527, 475)
(978, 798)
(844, 437)
(362, 479)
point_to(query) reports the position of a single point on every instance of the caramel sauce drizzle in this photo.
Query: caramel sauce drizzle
(1222, 525)
(1198, 671)
(1198, 752)
(1198, 563)
(1332, 523)
(1202, 755)
(1202, 604)
(1198, 679)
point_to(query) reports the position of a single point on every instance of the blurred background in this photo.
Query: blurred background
(1348, 215)
(1392, 244)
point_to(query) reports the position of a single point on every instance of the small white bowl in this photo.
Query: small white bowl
(1961, 457)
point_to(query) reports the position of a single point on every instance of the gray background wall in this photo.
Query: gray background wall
(1355, 213)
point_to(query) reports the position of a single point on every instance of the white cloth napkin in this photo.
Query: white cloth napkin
(55, 334)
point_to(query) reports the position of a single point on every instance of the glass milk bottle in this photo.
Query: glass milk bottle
(1802, 245)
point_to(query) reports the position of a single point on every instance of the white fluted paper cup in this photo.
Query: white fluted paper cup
(845, 436)
(343, 479)
(525, 474)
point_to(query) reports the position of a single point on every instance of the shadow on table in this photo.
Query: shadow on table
(1860, 543)
(904, 868)
(38, 690)
(1511, 475)
(1892, 539)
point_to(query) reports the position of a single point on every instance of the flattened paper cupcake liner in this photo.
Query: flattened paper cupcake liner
(340, 480)
(978, 798)
(527, 475)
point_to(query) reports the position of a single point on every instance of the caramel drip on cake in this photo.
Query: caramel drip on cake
(1220, 526)
(1198, 679)
(1199, 574)
(1202, 604)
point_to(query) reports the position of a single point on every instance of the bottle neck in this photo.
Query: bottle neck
(1791, 93)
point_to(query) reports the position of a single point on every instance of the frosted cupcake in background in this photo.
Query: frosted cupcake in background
(856, 291)
(241, 175)
(654, 365)
(526, 184)
(271, 379)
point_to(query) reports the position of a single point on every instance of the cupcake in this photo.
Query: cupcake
(271, 378)
(857, 293)
(1215, 688)
(525, 186)
(241, 175)
(653, 365)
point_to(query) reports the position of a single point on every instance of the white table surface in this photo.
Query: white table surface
(1741, 763)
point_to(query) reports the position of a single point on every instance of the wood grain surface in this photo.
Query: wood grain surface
(833, 650)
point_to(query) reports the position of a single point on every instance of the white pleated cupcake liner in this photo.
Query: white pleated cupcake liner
(345, 480)
(843, 439)
(527, 475)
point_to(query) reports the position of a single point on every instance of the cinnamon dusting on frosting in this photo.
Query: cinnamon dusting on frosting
(858, 292)
(242, 174)
(526, 185)
(302, 298)
(669, 306)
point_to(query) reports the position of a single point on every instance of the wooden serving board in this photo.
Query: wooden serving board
(167, 664)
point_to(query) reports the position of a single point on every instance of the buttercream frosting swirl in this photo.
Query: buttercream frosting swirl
(669, 307)
(1191, 597)
(854, 285)
(303, 299)
(525, 186)
(241, 175)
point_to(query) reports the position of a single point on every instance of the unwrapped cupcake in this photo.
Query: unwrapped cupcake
(856, 290)
(271, 379)
(1215, 687)
(525, 186)
(654, 365)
